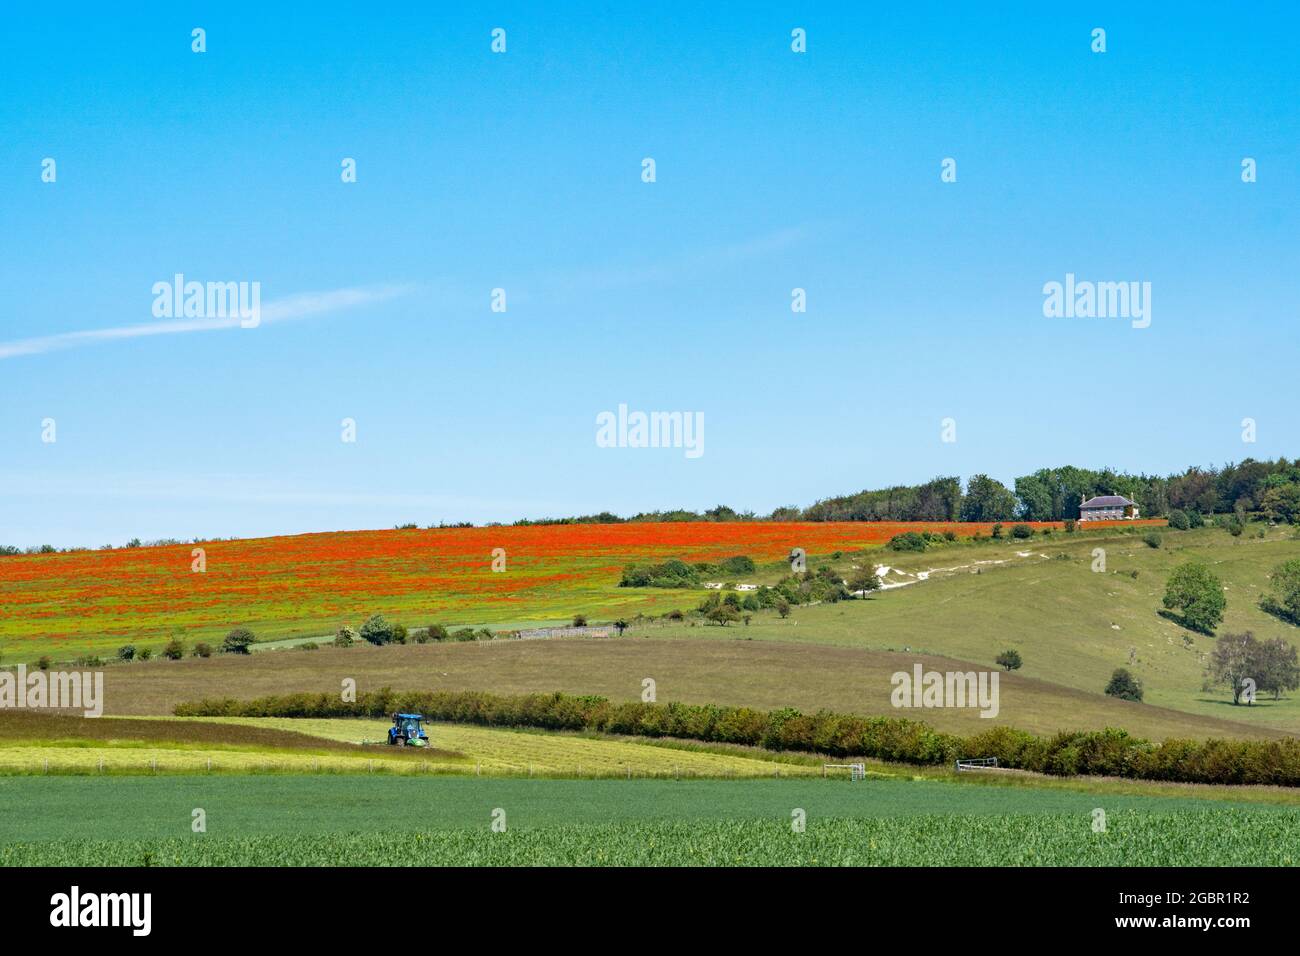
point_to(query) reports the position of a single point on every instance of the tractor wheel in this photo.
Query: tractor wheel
(400, 741)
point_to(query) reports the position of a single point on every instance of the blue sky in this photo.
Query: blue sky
(522, 171)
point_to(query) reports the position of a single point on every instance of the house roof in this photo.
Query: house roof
(1107, 501)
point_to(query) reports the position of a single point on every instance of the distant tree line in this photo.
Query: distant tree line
(1270, 488)
(1049, 494)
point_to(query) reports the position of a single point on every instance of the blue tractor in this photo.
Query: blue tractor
(407, 731)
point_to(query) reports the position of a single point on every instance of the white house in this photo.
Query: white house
(1108, 508)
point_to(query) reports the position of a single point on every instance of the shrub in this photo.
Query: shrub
(346, 637)
(435, 632)
(399, 633)
(1152, 539)
(740, 564)
(126, 652)
(1178, 520)
(907, 541)
(143, 654)
(579, 620)
(1195, 519)
(463, 634)
(237, 641)
(673, 573)
(1022, 531)
(1009, 659)
(676, 616)
(1124, 685)
(1071, 526)
(174, 650)
(783, 608)
(44, 662)
(309, 646)
(997, 530)
(201, 649)
(377, 630)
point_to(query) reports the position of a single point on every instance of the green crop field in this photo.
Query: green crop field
(439, 821)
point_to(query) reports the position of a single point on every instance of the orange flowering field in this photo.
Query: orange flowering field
(95, 601)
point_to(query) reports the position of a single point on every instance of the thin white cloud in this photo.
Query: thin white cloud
(299, 306)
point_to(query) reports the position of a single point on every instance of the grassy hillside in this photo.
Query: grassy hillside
(734, 671)
(1071, 625)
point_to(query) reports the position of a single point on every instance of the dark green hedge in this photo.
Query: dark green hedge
(1107, 752)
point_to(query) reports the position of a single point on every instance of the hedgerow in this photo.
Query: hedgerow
(1108, 752)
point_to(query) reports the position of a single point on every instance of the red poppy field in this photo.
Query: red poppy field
(94, 601)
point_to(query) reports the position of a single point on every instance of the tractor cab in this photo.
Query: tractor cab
(407, 731)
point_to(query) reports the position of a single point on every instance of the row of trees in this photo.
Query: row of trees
(1049, 494)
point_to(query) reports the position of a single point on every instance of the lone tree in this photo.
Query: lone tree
(237, 641)
(1272, 665)
(1234, 660)
(1195, 591)
(620, 625)
(865, 579)
(1009, 659)
(1124, 686)
(723, 614)
(1280, 668)
(377, 630)
(783, 607)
